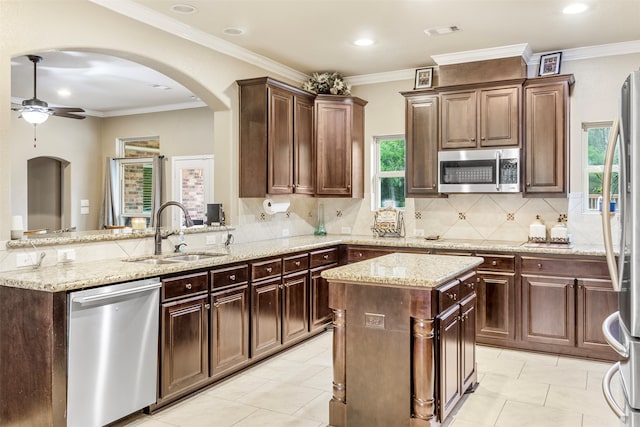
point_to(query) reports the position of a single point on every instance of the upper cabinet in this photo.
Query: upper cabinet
(339, 122)
(421, 135)
(276, 139)
(296, 142)
(546, 121)
(481, 117)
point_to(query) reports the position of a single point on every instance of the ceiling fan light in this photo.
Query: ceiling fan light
(35, 117)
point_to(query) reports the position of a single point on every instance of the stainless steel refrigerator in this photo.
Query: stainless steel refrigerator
(622, 328)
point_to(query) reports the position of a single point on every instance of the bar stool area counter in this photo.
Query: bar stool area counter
(403, 339)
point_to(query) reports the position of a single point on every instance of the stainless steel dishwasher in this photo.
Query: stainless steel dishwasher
(113, 351)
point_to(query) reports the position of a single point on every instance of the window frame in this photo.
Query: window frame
(377, 174)
(589, 169)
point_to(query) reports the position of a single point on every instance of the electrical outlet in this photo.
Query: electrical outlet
(211, 239)
(346, 230)
(418, 232)
(26, 259)
(285, 232)
(66, 255)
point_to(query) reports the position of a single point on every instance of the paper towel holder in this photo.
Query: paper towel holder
(271, 207)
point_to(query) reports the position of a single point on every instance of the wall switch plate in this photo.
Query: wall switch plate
(285, 232)
(26, 259)
(84, 202)
(346, 230)
(66, 255)
(211, 240)
(418, 232)
(84, 210)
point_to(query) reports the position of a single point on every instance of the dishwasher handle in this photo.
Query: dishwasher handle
(118, 293)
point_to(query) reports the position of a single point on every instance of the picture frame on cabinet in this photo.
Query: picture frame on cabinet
(424, 78)
(550, 64)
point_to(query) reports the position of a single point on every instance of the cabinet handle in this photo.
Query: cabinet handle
(483, 138)
(470, 285)
(473, 139)
(232, 277)
(281, 286)
(188, 286)
(326, 256)
(528, 184)
(297, 263)
(452, 296)
(359, 254)
(494, 263)
(269, 269)
(208, 306)
(539, 266)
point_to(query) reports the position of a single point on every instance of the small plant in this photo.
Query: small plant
(327, 83)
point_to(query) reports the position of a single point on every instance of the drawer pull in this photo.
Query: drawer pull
(360, 254)
(539, 266)
(297, 263)
(453, 296)
(269, 269)
(188, 286)
(494, 263)
(232, 277)
(470, 285)
(325, 256)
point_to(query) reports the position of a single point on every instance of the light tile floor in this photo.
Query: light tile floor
(517, 389)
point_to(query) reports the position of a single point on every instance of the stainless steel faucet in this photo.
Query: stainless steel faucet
(158, 235)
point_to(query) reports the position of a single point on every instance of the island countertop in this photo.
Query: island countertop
(404, 269)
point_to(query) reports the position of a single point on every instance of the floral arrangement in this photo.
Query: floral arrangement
(327, 83)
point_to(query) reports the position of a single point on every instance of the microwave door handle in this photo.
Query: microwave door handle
(606, 198)
(497, 170)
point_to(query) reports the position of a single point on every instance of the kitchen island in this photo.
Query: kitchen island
(404, 339)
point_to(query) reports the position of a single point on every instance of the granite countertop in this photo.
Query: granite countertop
(79, 275)
(402, 269)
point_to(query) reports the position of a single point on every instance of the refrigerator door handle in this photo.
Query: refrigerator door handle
(608, 396)
(606, 198)
(612, 319)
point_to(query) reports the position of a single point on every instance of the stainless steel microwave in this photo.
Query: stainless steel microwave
(479, 171)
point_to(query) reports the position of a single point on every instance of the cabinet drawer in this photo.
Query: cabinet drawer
(361, 254)
(497, 262)
(565, 267)
(448, 295)
(184, 285)
(468, 285)
(296, 263)
(265, 269)
(229, 276)
(323, 257)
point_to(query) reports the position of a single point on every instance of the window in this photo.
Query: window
(595, 137)
(388, 171)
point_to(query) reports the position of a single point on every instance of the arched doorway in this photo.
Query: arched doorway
(47, 193)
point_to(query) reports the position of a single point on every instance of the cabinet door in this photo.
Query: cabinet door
(184, 356)
(548, 310)
(295, 314)
(458, 120)
(422, 145)
(333, 139)
(496, 307)
(280, 142)
(468, 341)
(546, 138)
(321, 314)
(449, 357)
(303, 155)
(500, 117)
(596, 300)
(229, 328)
(266, 322)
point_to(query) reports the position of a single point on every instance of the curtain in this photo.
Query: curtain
(109, 208)
(157, 180)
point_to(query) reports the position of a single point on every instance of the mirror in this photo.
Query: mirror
(122, 100)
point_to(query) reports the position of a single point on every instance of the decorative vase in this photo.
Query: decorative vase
(320, 230)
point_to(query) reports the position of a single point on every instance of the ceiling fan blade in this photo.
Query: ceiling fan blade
(66, 110)
(68, 114)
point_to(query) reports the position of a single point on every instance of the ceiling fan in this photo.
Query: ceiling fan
(36, 111)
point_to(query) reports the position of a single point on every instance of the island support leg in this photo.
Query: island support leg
(338, 403)
(423, 375)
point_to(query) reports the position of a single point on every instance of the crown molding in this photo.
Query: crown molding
(154, 109)
(389, 76)
(521, 49)
(597, 51)
(150, 17)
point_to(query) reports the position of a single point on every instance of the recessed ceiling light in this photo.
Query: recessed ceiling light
(231, 31)
(363, 42)
(439, 31)
(183, 8)
(574, 8)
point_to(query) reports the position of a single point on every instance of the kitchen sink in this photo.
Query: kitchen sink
(192, 257)
(155, 261)
(175, 258)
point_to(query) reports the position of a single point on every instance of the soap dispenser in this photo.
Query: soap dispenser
(537, 231)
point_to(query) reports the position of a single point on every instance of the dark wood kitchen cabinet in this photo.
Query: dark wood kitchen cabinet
(295, 297)
(320, 313)
(596, 299)
(481, 117)
(276, 138)
(229, 319)
(339, 124)
(184, 334)
(266, 312)
(546, 124)
(421, 136)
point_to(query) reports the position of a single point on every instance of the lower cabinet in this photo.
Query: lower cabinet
(266, 320)
(596, 299)
(295, 300)
(184, 344)
(320, 313)
(229, 329)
